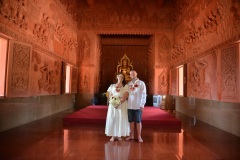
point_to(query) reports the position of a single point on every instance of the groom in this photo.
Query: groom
(136, 102)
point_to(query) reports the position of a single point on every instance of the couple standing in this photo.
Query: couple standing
(129, 110)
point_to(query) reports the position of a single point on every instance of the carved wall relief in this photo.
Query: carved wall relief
(193, 35)
(164, 51)
(84, 48)
(18, 69)
(173, 86)
(115, 15)
(42, 24)
(70, 7)
(236, 13)
(229, 73)
(65, 37)
(181, 8)
(163, 82)
(209, 27)
(202, 78)
(197, 32)
(178, 53)
(212, 21)
(41, 30)
(98, 68)
(84, 82)
(16, 12)
(46, 74)
(197, 78)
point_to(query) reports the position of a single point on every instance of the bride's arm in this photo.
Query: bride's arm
(124, 98)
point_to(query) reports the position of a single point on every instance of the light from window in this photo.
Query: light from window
(180, 81)
(3, 61)
(67, 82)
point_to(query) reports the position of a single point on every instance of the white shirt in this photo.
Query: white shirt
(137, 94)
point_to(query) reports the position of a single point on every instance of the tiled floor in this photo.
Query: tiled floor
(48, 139)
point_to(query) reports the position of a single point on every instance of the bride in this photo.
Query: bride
(117, 124)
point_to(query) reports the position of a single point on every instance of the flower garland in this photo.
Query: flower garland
(118, 89)
(132, 87)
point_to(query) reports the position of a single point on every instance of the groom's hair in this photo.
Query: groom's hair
(133, 70)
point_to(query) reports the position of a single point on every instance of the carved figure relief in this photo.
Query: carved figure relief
(178, 51)
(194, 35)
(41, 30)
(164, 51)
(198, 86)
(47, 82)
(174, 81)
(43, 81)
(65, 43)
(46, 72)
(236, 12)
(59, 28)
(85, 48)
(84, 81)
(212, 20)
(15, 11)
(163, 82)
(36, 60)
(229, 73)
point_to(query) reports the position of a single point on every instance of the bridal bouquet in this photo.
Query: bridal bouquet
(114, 100)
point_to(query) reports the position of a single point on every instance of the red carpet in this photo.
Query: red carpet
(97, 115)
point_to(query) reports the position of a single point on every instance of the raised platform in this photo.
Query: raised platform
(97, 115)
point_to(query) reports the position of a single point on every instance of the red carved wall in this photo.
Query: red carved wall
(180, 32)
(45, 35)
(207, 37)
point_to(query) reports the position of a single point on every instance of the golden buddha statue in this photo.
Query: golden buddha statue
(125, 66)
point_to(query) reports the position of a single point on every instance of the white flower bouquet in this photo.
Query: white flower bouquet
(114, 100)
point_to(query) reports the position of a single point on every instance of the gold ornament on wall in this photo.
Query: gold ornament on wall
(125, 66)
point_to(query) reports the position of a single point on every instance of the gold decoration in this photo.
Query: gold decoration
(124, 67)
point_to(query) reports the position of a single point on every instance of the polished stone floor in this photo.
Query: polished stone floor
(49, 139)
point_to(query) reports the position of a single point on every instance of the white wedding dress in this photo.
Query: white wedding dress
(117, 124)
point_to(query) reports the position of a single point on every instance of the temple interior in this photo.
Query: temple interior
(59, 56)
